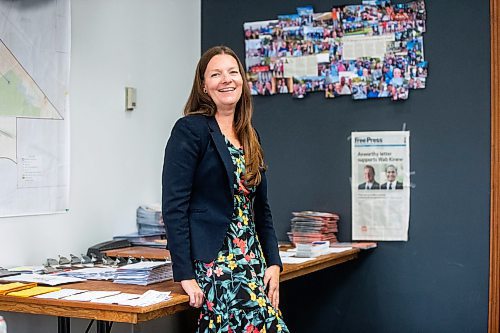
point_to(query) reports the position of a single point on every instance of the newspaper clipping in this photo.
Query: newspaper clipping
(380, 185)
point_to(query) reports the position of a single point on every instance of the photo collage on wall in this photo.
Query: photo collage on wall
(372, 50)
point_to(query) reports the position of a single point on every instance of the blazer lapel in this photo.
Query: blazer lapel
(221, 146)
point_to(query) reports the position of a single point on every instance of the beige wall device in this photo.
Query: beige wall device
(130, 98)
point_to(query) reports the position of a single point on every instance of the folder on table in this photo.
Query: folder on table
(14, 286)
(33, 291)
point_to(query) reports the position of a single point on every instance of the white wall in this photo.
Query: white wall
(116, 156)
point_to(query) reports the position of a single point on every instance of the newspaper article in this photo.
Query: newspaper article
(380, 185)
(359, 46)
(301, 66)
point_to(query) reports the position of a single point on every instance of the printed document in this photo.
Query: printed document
(380, 185)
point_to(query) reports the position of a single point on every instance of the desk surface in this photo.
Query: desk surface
(129, 314)
(290, 271)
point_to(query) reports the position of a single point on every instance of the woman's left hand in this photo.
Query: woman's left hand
(272, 284)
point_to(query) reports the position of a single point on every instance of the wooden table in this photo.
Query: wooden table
(108, 313)
(290, 271)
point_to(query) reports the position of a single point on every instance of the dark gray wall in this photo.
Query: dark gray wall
(438, 280)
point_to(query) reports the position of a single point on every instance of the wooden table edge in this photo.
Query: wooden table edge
(97, 311)
(291, 271)
(134, 315)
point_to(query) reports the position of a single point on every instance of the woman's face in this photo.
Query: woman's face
(223, 81)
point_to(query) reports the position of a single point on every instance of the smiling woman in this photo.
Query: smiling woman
(223, 82)
(219, 224)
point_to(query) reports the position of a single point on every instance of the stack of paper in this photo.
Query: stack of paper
(144, 273)
(288, 257)
(311, 250)
(33, 291)
(309, 226)
(48, 279)
(15, 286)
(149, 220)
(5, 272)
(92, 273)
(27, 269)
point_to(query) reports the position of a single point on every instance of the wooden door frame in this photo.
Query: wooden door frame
(494, 285)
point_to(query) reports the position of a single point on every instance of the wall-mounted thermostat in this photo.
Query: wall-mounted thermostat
(130, 98)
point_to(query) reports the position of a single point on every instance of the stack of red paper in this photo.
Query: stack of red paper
(309, 226)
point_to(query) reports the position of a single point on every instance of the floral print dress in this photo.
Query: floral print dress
(233, 284)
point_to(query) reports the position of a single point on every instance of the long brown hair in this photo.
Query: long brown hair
(200, 103)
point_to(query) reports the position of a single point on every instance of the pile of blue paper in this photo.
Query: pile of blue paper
(144, 273)
(149, 220)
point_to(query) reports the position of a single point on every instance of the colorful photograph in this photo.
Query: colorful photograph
(299, 88)
(370, 50)
(282, 85)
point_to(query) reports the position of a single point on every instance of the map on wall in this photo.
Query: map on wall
(370, 50)
(34, 127)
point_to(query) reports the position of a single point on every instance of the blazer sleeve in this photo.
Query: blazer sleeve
(264, 223)
(179, 166)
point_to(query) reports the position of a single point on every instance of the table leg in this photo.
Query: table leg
(103, 326)
(63, 325)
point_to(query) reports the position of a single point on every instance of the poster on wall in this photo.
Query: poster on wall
(380, 185)
(34, 99)
(370, 50)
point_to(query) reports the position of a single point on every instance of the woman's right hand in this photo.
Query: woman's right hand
(194, 292)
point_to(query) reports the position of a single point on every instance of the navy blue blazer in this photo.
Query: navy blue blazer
(197, 196)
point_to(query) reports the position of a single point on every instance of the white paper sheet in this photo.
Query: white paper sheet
(116, 299)
(48, 279)
(61, 293)
(90, 295)
(295, 260)
(150, 297)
